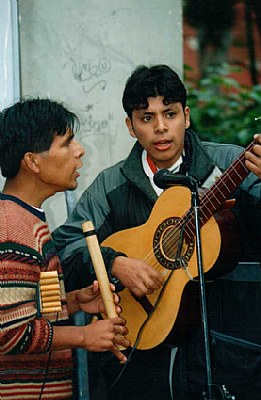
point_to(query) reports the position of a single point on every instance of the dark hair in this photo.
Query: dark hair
(31, 125)
(157, 80)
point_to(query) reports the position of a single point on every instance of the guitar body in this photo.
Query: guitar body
(151, 319)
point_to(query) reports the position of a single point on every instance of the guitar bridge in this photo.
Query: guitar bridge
(180, 263)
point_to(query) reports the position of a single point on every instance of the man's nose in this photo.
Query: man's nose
(160, 125)
(79, 150)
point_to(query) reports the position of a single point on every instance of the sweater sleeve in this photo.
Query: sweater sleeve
(32, 337)
(22, 331)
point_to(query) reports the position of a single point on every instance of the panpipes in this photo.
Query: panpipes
(50, 292)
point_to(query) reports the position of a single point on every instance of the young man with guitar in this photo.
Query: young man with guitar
(145, 232)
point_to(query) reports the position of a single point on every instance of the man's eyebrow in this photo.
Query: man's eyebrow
(168, 108)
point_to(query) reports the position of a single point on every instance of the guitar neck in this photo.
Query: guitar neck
(220, 191)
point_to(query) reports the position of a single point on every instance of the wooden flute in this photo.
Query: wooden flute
(99, 267)
(100, 270)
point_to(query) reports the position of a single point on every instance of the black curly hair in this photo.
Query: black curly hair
(157, 80)
(31, 125)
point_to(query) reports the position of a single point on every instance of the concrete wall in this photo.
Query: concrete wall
(81, 52)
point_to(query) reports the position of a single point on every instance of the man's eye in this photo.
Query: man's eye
(146, 118)
(171, 114)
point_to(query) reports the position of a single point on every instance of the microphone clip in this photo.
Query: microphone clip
(164, 179)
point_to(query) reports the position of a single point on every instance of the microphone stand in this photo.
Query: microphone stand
(195, 205)
(163, 179)
(192, 184)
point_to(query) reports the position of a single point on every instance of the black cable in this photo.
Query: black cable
(47, 368)
(45, 375)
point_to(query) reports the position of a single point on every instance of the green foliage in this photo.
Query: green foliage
(223, 110)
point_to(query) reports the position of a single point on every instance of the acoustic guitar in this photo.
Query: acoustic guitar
(167, 243)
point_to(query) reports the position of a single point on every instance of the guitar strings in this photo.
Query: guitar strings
(172, 238)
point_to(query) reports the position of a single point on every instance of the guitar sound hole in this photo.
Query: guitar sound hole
(171, 247)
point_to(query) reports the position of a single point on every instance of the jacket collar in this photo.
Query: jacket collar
(200, 167)
(134, 172)
(201, 164)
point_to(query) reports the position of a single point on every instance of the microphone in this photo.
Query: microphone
(164, 179)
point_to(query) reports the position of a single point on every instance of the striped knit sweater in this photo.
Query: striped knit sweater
(27, 367)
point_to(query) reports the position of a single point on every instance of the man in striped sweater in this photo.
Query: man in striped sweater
(39, 157)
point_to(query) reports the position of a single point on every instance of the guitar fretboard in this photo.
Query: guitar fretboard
(219, 192)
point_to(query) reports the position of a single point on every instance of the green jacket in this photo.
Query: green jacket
(122, 197)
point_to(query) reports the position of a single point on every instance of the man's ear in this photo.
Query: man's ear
(187, 117)
(130, 127)
(31, 162)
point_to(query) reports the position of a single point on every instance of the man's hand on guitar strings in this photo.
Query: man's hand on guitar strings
(253, 159)
(136, 275)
